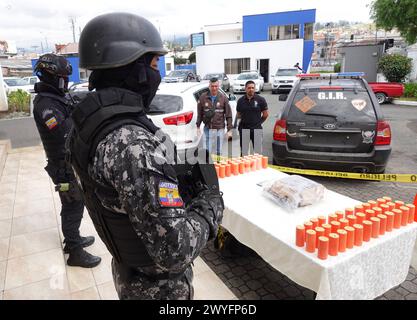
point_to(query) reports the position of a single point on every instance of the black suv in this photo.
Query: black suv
(332, 122)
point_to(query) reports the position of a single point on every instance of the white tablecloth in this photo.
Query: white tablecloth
(364, 272)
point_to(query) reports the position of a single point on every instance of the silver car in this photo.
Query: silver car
(222, 77)
(181, 76)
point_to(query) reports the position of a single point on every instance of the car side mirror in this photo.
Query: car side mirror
(232, 97)
(283, 97)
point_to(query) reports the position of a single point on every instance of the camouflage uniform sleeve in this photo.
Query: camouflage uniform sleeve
(173, 235)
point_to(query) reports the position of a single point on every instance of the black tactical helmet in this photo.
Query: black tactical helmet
(117, 39)
(54, 65)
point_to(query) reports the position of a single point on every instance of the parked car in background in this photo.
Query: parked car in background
(385, 91)
(222, 77)
(181, 76)
(30, 80)
(332, 123)
(284, 80)
(242, 78)
(13, 84)
(80, 86)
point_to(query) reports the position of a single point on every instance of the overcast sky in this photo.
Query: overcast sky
(30, 22)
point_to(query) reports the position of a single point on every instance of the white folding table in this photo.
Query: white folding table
(364, 272)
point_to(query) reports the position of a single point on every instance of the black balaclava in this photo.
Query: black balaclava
(59, 83)
(137, 76)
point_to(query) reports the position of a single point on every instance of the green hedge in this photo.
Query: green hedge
(410, 90)
(19, 101)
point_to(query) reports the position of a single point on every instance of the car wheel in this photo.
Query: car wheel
(381, 97)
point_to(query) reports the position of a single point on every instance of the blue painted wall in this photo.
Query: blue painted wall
(255, 27)
(308, 52)
(75, 61)
(161, 66)
(192, 67)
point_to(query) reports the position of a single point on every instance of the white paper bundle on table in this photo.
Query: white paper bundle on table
(293, 191)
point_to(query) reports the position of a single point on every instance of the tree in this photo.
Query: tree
(178, 60)
(343, 23)
(191, 58)
(395, 67)
(400, 14)
(318, 26)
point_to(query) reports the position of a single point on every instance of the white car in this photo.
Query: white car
(240, 81)
(13, 84)
(81, 86)
(174, 110)
(284, 80)
(30, 80)
(222, 77)
(181, 76)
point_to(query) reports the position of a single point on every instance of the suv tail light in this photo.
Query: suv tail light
(280, 130)
(383, 136)
(179, 119)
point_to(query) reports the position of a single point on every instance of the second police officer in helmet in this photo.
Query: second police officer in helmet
(132, 192)
(52, 116)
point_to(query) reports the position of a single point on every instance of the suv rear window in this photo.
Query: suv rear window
(342, 105)
(164, 103)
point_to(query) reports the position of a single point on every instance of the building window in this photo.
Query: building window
(168, 66)
(308, 31)
(236, 66)
(291, 31)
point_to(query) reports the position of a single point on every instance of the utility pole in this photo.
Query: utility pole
(72, 21)
(46, 43)
(41, 46)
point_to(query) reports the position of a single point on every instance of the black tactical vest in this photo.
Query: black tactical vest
(53, 145)
(94, 118)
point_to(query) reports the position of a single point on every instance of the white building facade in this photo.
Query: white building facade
(262, 42)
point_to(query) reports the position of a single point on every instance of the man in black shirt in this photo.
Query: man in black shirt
(252, 110)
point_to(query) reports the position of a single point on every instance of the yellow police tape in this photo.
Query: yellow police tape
(388, 177)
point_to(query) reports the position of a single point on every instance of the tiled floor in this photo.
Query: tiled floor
(32, 263)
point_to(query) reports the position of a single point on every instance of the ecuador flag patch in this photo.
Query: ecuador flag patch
(51, 123)
(169, 195)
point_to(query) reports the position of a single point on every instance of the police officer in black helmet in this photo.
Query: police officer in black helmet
(52, 117)
(132, 191)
